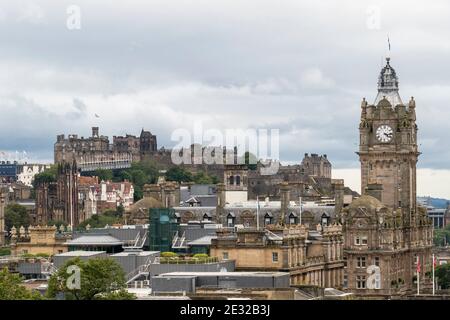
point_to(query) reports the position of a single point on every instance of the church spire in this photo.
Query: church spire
(388, 85)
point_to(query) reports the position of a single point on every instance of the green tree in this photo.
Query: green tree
(203, 178)
(178, 174)
(104, 174)
(100, 220)
(100, 278)
(47, 176)
(120, 210)
(11, 288)
(442, 272)
(16, 215)
(441, 237)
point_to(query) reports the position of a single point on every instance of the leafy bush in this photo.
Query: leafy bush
(5, 252)
(200, 256)
(168, 254)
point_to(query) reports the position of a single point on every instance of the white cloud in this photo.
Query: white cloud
(430, 182)
(314, 79)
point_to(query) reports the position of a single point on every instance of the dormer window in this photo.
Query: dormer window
(268, 217)
(231, 219)
(325, 219)
(293, 218)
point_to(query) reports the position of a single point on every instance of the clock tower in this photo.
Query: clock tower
(388, 145)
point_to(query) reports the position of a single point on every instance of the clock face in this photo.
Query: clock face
(384, 133)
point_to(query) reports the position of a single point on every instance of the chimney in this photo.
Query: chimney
(338, 185)
(285, 199)
(221, 201)
(375, 190)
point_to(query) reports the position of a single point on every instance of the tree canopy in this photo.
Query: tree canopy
(442, 272)
(16, 215)
(11, 288)
(48, 175)
(109, 217)
(178, 174)
(441, 237)
(99, 279)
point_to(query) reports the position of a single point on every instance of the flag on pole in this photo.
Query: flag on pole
(418, 265)
(389, 44)
(434, 280)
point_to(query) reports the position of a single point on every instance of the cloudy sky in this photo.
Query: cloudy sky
(298, 66)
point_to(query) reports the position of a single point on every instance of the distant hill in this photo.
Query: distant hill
(435, 202)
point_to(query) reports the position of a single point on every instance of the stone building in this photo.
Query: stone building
(99, 148)
(312, 257)
(316, 166)
(386, 232)
(74, 198)
(38, 240)
(311, 179)
(232, 207)
(58, 200)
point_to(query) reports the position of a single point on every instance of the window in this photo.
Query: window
(292, 218)
(274, 256)
(238, 180)
(360, 262)
(345, 262)
(345, 281)
(364, 240)
(225, 255)
(377, 261)
(361, 282)
(361, 240)
(230, 220)
(231, 180)
(267, 219)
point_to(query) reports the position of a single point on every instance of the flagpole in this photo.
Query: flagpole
(300, 207)
(434, 282)
(418, 274)
(257, 213)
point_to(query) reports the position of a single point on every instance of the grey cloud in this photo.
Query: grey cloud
(302, 67)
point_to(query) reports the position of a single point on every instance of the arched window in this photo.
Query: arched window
(238, 180)
(231, 180)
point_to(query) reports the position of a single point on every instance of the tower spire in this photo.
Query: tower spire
(388, 85)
